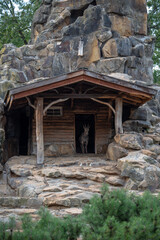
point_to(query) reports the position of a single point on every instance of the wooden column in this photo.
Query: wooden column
(118, 115)
(39, 131)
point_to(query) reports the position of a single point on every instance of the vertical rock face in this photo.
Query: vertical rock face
(113, 33)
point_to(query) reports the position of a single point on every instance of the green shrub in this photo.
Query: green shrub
(115, 215)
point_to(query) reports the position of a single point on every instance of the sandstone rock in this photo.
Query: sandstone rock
(155, 137)
(116, 181)
(77, 200)
(154, 148)
(107, 170)
(21, 171)
(109, 65)
(121, 7)
(17, 202)
(53, 173)
(95, 55)
(98, 177)
(52, 189)
(110, 49)
(115, 151)
(73, 211)
(129, 141)
(122, 25)
(59, 149)
(149, 153)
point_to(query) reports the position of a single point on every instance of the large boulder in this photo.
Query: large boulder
(115, 151)
(136, 126)
(142, 171)
(59, 150)
(142, 113)
(129, 140)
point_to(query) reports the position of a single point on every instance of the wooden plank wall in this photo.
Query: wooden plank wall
(62, 129)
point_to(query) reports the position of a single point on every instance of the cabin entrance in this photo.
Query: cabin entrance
(80, 121)
(17, 133)
(24, 132)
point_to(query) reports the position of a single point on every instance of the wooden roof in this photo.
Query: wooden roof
(131, 90)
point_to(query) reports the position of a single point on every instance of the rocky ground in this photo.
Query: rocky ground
(63, 185)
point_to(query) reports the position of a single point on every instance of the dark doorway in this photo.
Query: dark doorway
(17, 133)
(80, 121)
(23, 132)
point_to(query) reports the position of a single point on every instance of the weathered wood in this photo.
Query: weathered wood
(61, 130)
(71, 78)
(118, 115)
(78, 96)
(30, 104)
(104, 103)
(39, 131)
(53, 103)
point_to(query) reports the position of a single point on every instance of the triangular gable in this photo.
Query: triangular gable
(30, 89)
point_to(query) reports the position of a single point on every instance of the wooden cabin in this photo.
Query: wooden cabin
(46, 117)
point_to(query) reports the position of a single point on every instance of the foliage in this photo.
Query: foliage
(115, 215)
(15, 21)
(154, 29)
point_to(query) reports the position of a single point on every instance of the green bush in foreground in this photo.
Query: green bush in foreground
(113, 216)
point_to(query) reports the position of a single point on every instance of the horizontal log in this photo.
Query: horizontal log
(78, 96)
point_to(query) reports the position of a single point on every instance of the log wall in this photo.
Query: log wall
(59, 132)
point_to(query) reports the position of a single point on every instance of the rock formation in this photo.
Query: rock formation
(106, 36)
(113, 36)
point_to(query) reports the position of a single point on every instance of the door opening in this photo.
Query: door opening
(80, 121)
(23, 133)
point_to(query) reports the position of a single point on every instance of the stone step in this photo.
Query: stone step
(20, 202)
(7, 213)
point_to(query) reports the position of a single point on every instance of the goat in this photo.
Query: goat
(84, 138)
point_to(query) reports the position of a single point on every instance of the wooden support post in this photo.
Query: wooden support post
(118, 115)
(39, 131)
